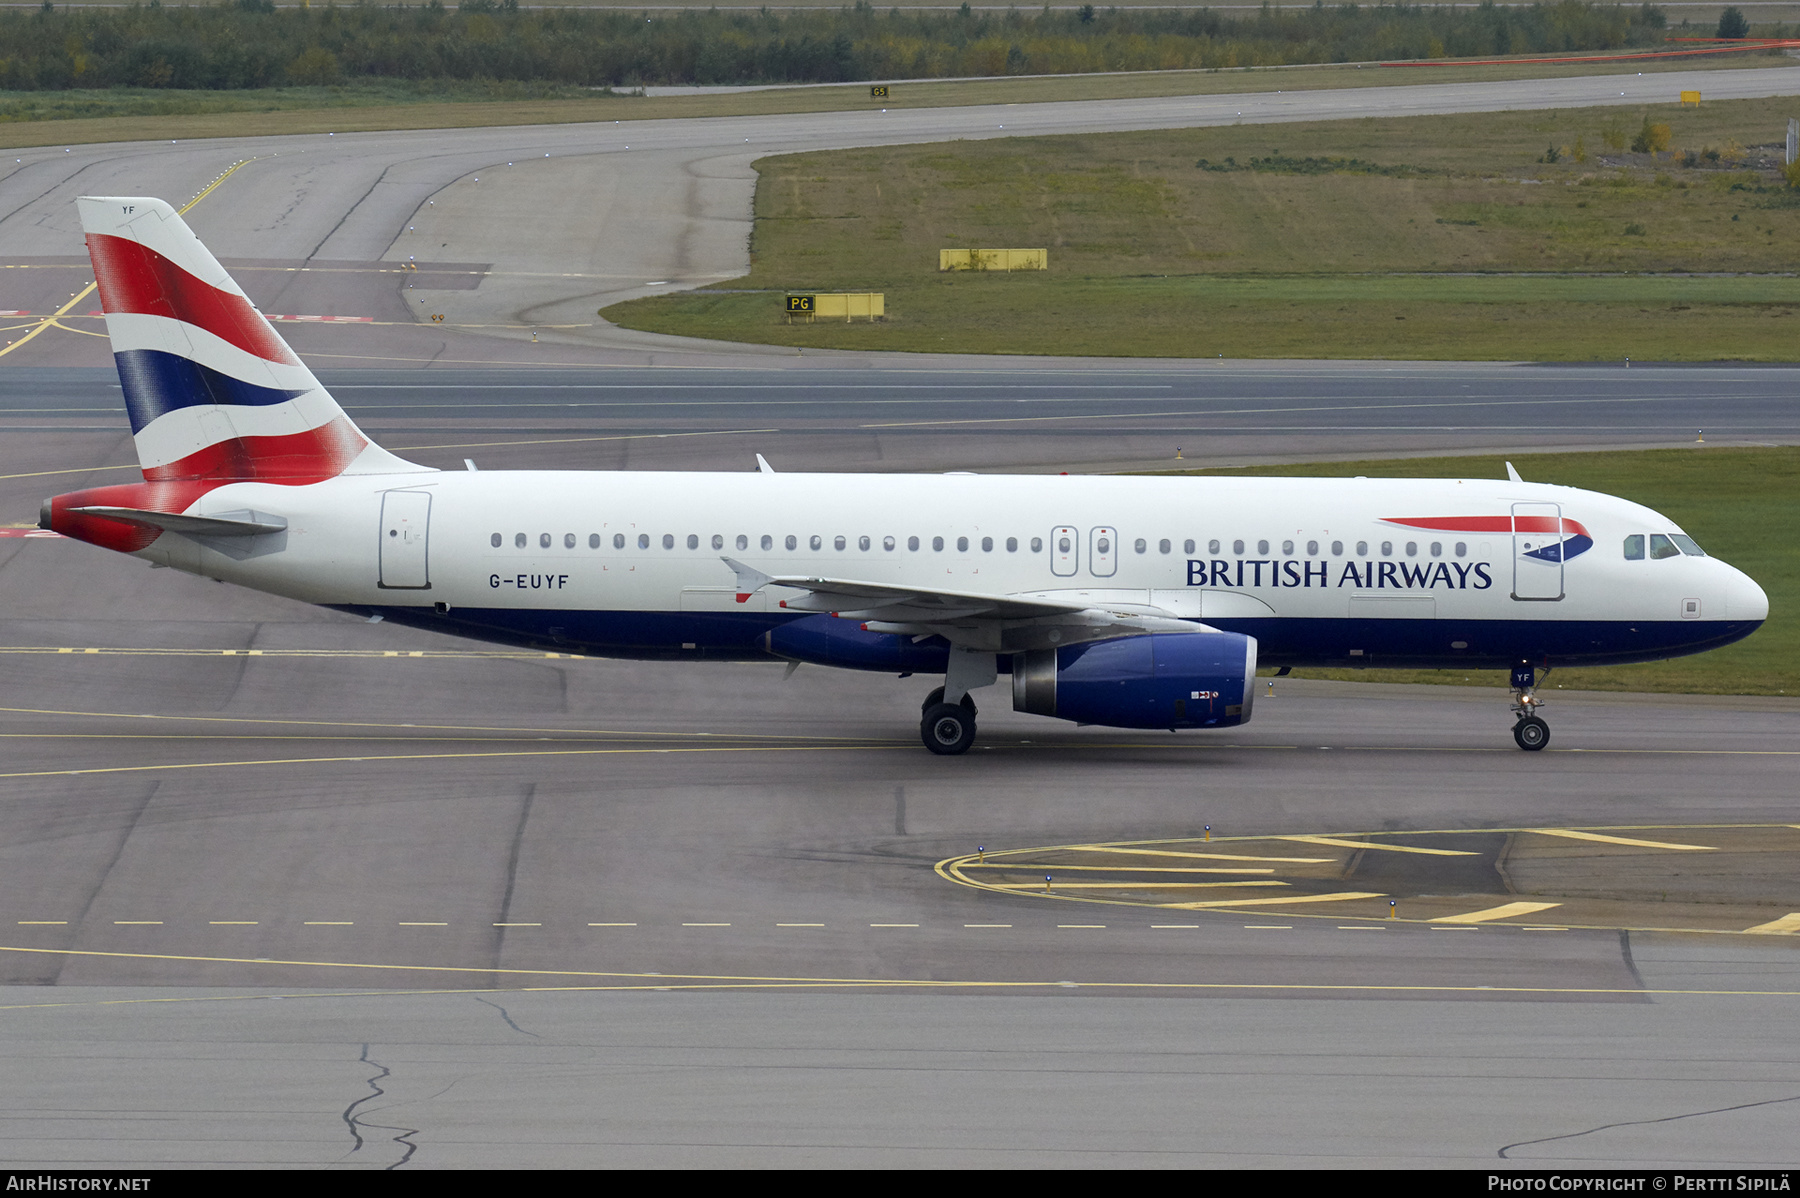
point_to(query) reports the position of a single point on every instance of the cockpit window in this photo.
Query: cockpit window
(1662, 547)
(1634, 547)
(1687, 544)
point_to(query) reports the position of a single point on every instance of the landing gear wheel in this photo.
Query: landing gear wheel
(1531, 733)
(947, 729)
(937, 696)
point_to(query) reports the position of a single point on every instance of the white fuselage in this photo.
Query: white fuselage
(549, 558)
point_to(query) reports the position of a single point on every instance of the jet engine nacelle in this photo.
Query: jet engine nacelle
(1160, 680)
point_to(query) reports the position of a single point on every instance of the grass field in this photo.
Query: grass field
(1738, 503)
(1422, 237)
(134, 114)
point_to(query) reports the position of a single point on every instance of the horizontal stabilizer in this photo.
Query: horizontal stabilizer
(225, 524)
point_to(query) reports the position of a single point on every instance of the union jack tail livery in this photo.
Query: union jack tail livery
(214, 393)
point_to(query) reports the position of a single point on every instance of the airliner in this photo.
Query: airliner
(1144, 603)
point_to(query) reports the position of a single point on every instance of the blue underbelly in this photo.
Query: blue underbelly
(1413, 644)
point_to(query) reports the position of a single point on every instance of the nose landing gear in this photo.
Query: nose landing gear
(1530, 733)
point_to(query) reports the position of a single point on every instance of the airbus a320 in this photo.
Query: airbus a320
(1126, 602)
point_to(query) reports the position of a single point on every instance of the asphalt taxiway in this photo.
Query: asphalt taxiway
(668, 913)
(893, 414)
(282, 887)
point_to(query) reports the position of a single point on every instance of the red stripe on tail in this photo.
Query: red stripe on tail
(295, 459)
(135, 278)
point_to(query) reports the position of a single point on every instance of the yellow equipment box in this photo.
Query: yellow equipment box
(993, 259)
(848, 304)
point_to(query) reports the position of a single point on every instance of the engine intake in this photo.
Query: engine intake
(1160, 680)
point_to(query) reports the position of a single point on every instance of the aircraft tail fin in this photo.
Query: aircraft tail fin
(213, 391)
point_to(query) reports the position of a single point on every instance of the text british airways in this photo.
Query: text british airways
(1368, 576)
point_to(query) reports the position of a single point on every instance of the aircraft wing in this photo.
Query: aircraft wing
(967, 619)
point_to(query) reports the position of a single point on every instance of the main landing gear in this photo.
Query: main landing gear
(1531, 733)
(949, 728)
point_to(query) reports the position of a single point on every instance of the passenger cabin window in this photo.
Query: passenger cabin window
(1012, 544)
(568, 540)
(1037, 544)
(1163, 546)
(962, 544)
(937, 544)
(1287, 549)
(1237, 547)
(887, 543)
(1337, 549)
(912, 543)
(792, 542)
(519, 541)
(743, 542)
(1262, 547)
(1661, 547)
(1634, 547)
(1139, 545)
(1212, 546)
(1462, 549)
(618, 540)
(643, 540)
(718, 542)
(668, 540)
(693, 541)
(495, 540)
(987, 544)
(862, 543)
(768, 542)
(1362, 549)
(1187, 546)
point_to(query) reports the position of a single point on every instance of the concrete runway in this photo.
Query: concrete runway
(213, 797)
(584, 906)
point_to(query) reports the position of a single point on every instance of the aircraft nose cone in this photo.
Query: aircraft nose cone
(1745, 600)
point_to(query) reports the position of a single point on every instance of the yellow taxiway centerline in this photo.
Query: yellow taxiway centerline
(1039, 885)
(1286, 899)
(1786, 924)
(1135, 852)
(1108, 869)
(1387, 848)
(52, 321)
(642, 981)
(390, 757)
(1506, 911)
(1571, 834)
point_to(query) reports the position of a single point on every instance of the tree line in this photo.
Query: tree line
(251, 44)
